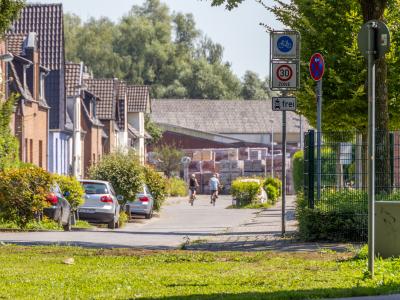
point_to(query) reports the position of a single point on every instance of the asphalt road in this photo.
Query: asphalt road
(177, 222)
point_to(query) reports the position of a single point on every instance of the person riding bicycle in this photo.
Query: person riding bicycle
(193, 185)
(214, 185)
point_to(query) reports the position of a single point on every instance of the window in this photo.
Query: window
(94, 158)
(41, 154)
(31, 151)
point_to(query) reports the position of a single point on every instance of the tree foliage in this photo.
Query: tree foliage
(331, 27)
(152, 46)
(122, 170)
(8, 142)
(169, 159)
(9, 10)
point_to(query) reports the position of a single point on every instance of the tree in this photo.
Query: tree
(9, 11)
(8, 143)
(153, 129)
(254, 88)
(169, 159)
(122, 170)
(151, 46)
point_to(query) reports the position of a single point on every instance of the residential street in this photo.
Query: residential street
(177, 222)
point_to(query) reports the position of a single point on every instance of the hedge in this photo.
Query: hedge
(245, 192)
(73, 187)
(23, 193)
(176, 187)
(157, 185)
(298, 171)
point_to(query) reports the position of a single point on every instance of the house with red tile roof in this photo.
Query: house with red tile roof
(46, 20)
(26, 78)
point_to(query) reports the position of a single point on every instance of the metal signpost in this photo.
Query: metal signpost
(284, 69)
(373, 42)
(317, 69)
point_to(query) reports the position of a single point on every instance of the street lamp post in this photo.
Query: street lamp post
(272, 148)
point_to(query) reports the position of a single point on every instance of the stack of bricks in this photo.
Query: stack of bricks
(254, 168)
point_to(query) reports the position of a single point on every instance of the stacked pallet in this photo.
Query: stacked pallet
(229, 171)
(254, 168)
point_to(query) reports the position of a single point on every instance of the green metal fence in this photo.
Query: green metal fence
(339, 191)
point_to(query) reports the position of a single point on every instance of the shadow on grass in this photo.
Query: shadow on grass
(298, 294)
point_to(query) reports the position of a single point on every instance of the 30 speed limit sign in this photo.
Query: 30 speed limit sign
(284, 76)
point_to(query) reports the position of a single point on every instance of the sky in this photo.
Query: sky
(245, 42)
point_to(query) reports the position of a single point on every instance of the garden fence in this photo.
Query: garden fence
(339, 190)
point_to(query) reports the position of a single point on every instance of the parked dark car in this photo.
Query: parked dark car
(59, 208)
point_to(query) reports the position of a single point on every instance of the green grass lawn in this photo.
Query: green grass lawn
(39, 273)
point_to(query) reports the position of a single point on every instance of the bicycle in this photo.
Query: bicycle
(192, 198)
(214, 197)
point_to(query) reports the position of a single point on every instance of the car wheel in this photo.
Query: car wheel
(111, 224)
(149, 215)
(67, 227)
(59, 221)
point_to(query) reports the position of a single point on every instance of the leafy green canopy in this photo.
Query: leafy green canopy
(331, 27)
(151, 46)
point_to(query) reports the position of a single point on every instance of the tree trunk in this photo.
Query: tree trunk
(374, 9)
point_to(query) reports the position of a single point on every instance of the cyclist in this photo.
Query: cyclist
(193, 184)
(214, 185)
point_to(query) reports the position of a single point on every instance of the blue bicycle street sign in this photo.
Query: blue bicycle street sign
(285, 44)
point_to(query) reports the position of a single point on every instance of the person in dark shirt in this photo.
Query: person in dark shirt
(193, 184)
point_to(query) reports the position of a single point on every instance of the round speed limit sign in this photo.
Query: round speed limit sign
(284, 76)
(284, 72)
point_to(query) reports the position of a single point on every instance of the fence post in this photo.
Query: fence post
(391, 136)
(311, 167)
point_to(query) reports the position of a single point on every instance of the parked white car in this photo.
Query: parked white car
(101, 203)
(143, 204)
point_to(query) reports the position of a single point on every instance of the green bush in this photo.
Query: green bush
(157, 185)
(245, 192)
(338, 216)
(23, 193)
(176, 187)
(298, 171)
(272, 193)
(123, 171)
(72, 185)
(275, 182)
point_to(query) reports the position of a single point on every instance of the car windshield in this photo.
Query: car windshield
(95, 188)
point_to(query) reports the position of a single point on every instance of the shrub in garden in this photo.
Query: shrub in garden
(298, 170)
(122, 170)
(245, 192)
(275, 182)
(338, 216)
(176, 187)
(73, 187)
(272, 193)
(23, 193)
(157, 185)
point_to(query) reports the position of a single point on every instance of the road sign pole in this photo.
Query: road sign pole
(319, 133)
(284, 170)
(371, 147)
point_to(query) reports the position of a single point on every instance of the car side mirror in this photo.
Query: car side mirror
(67, 194)
(120, 198)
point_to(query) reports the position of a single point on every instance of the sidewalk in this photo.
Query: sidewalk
(262, 232)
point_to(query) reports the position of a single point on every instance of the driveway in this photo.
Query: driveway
(178, 223)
